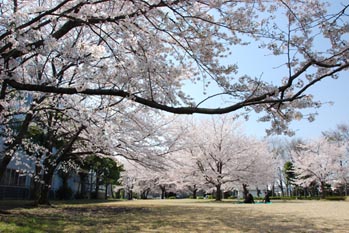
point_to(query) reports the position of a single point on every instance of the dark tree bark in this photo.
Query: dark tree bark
(281, 186)
(50, 165)
(106, 191)
(129, 195)
(195, 193)
(258, 192)
(244, 191)
(82, 185)
(96, 187)
(144, 193)
(323, 189)
(218, 192)
(46, 187)
(163, 191)
(36, 188)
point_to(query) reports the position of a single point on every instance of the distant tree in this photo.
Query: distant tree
(318, 161)
(224, 156)
(290, 175)
(111, 175)
(64, 192)
(106, 170)
(280, 149)
(190, 179)
(341, 135)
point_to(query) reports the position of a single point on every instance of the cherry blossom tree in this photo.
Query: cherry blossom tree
(189, 179)
(281, 153)
(145, 179)
(58, 136)
(14, 127)
(226, 157)
(145, 51)
(319, 161)
(71, 129)
(139, 179)
(341, 135)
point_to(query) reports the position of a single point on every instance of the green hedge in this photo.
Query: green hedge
(283, 198)
(330, 198)
(335, 198)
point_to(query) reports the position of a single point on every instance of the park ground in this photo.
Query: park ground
(182, 215)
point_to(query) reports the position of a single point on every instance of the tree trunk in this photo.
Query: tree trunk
(144, 193)
(305, 190)
(4, 162)
(82, 184)
(244, 191)
(96, 188)
(90, 187)
(323, 190)
(36, 193)
(218, 192)
(258, 192)
(194, 193)
(112, 192)
(129, 195)
(36, 188)
(46, 187)
(163, 192)
(288, 189)
(106, 192)
(281, 186)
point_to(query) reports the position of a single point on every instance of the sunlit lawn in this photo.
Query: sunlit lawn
(178, 216)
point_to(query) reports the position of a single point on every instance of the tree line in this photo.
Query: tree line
(84, 78)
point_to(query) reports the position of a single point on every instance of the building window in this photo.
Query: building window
(13, 178)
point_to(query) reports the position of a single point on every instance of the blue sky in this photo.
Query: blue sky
(329, 115)
(256, 63)
(328, 90)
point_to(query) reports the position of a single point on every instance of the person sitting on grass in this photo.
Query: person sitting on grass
(266, 197)
(249, 198)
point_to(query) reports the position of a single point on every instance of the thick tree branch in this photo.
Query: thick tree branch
(262, 99)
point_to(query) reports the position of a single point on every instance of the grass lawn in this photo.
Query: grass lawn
(176, 216)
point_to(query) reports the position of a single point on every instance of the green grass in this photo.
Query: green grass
(164, 216)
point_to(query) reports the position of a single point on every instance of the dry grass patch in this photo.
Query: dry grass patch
(180, 216)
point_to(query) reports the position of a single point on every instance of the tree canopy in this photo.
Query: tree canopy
(93, 74)
(144, 51)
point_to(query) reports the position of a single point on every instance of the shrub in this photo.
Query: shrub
(335, 198)
(308, 198)
(64, 193)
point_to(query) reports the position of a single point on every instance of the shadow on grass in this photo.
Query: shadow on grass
(155, 218)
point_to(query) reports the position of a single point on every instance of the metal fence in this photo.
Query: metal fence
(13, 192)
